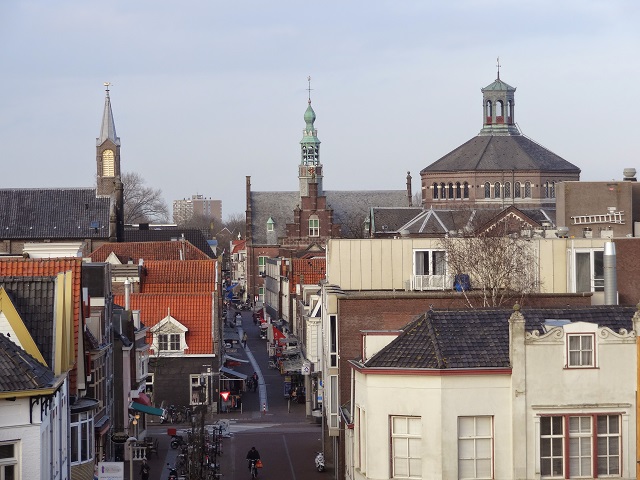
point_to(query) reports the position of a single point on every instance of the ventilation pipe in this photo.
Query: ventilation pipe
(127, 295)
(610, 281)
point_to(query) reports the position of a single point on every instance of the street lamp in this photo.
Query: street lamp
(130, 441)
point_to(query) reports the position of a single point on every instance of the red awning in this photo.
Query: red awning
(144, 399)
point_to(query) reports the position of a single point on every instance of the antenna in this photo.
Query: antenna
(309, 88)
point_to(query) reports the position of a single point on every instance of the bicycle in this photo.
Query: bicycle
(253, 468)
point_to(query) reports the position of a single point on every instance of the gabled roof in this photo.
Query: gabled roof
(194, 311)
(460, 339)
(56, 213)
(13, 267)
(174, 276)
(238, 246)
(390, 219)
(349, 208)
(500, 153)
(166, 234)
(19, 371)
(136, 251)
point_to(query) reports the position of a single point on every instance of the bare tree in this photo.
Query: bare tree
(142, 204)
(231, 228)
(503, 268)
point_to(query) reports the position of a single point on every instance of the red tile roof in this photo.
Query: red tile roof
(17, 267)
(308, 271)
(194, 311)
(134, 251)
(174, 276)
(238, 246)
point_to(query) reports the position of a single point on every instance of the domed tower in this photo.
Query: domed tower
(310, 169)
(498, 109)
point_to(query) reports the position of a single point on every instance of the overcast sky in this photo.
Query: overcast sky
(206, 92)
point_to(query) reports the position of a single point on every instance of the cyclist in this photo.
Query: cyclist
(252, 456)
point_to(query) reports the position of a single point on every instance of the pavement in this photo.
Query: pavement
(286, 439)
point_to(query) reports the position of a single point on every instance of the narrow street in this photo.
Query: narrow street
(286, 439)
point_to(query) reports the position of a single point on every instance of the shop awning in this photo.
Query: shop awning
(146, 409)
(234, 359)
(292, 365)
(233, 373)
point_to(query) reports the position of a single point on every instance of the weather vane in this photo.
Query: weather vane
(309, 89)
(498, 65)
(107, 84)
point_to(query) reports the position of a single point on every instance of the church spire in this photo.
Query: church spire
(310, 169)
(108, 128)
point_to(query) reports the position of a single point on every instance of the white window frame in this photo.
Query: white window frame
(195, 380)
(475, 446)
(430, 269)
(314, 226)
(406, 446)
(334, 400)
(172, 339)
(10, 461)
(581, 350)
(261, 294)
(82, 424)
(333, 341)
(596, 278)
(262, 264)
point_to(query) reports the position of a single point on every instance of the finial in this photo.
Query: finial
(498, 65)
(107, 84)
(309, 89)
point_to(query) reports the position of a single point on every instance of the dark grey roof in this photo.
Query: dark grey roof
(348, 207)
(480, 338)
(64, 213)
(166, 234)
(440, 221)
(19, 370)
(34, 298)
(501, 152)
(390, 219)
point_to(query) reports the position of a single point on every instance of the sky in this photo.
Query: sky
(206, 92)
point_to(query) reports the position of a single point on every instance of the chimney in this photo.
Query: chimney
(610, 280)
(127, 294)
(409, 195)
(136, 319)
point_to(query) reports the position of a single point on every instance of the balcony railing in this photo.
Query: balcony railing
(431, 282)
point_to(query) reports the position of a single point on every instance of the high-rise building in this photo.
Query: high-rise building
(196, 206)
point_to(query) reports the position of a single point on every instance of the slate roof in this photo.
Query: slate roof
(194, 311)
(499, 153)
(60, 213)
(47, 268)
(348, 206)
(390, 219)
(461, 339)
(19, 370)
(135, 251)
(437, 222)
(165, 234)
(34, 299)
(174, 276)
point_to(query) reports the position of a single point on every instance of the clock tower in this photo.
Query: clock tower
(107, 152)
(310, 168)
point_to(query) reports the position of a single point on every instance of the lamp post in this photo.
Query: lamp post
(130, 441)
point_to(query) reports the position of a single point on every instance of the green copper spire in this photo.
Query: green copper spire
(310, 143)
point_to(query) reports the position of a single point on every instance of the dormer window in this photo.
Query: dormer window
(168, 342)
(270, 225)
(580, 351)
(169, 337)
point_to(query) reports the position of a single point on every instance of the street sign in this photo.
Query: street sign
(119, 437)
(306, 368)
(225, 395)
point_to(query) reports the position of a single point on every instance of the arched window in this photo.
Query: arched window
(435, 191)
(487, 190)
(507, 189)
(451, 194)
(108, 164)
(516, 190)
(546, 189)
(496, 190)
(510, 111)
(458, 190)
(443, 191)
(552, 190)
(527, 189)
(489, 111)
(465, 192)
(499, 108)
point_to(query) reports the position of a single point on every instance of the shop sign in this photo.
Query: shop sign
(119, 437)
(306, 368)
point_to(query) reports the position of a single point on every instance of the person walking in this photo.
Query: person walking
(145, 468)
(244, 340)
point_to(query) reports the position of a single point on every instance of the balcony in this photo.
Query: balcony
(431, 282)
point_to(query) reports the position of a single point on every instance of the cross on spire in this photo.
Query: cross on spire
(309, 88)
(107, 84)
(498, 65)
